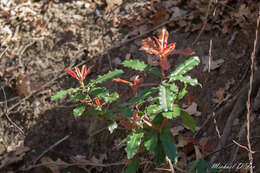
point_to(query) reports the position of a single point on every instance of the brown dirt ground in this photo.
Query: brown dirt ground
(67, 41)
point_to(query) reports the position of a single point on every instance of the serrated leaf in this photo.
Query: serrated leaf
(133, 144)
(79, 96)
(153, 109)
(134, 165)
(176, 111)
(174, 88)
(188, 121)
(168, 145)
(186, 66)
(155, 71)
(78, 111)
(61, 94)
(182, 93)
(111, 97)
(99, 92)
(109, 75)
(112, 127)
(135, 64)
(186, 79)
(166, 97)
(142, 95)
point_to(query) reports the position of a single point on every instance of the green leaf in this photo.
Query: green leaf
(125, 111)
(202, 166)
(174, 88)
(78, 111)
(61, 94)
(159, 154)
(168, 145)
(166, 97)
(135, 64)
(153, 109)
(182, 93)
(94, 111)
(79, 96)
(109, 75)
(134, 165)
(142, 95)
(112, 127)
(111, 97)
(188, 120)
(133, 144)
(151, 141)
(99, 92)
(176, 111)
(154, 70)
(186, 79)
(186, 66)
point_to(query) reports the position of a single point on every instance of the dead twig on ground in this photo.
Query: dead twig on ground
(170, 163)
(85, 163)
(250, 152)
(50, 148)
(6, 113)
(204, 24)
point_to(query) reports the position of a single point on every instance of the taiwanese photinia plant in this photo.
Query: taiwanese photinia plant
(148, 114)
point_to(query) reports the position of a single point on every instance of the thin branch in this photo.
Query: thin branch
(48, 149)
(250, 155)
(7, 116)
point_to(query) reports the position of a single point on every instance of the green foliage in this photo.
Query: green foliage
(78, 111)
(99, 92)
(63, 93)
(154, 70)
(168, 145)
(166, 97)
(176, 111)
(185, 66)
(142, 96)
(188, 121)
(148, 113)
(186, 80)
(133, 166)
(112, 126)
(135, 64)
(133, 144)
(153, 109)
(151, 141)
(200, 166)
(109, 75)
(103, 93)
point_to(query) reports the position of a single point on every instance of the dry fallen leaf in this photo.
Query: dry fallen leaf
(193, 109)
(214, 64)
(159, 17)
(175, 130)
(182, 141)
(56, 166)
(13, 156)
(220, 94)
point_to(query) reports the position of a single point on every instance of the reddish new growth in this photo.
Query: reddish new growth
(80, 75)
(134, 85)
(162, 51)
